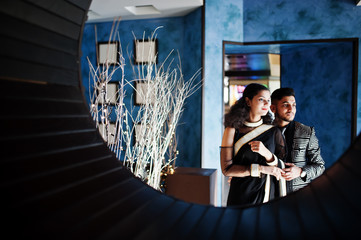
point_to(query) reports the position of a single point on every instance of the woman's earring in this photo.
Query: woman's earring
(247, 102)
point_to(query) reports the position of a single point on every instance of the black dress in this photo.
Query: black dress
(251, 190)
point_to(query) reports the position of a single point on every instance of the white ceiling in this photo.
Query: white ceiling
(107, 10)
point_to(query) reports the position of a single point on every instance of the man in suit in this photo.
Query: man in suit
(303, 161)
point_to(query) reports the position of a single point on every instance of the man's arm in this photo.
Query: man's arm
(315, 165)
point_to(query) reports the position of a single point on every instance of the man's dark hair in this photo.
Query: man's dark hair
(278, 94)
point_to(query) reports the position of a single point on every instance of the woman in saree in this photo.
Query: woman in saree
(252, 150)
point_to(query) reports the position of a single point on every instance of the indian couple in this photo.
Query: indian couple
(265, 156)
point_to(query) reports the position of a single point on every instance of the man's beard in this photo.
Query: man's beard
(283, 118)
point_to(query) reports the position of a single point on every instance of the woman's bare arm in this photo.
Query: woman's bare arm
(228, 169)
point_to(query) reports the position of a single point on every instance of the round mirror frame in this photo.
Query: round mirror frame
(60, 181)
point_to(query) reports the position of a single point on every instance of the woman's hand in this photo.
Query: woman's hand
(272, 170)
(258, 147)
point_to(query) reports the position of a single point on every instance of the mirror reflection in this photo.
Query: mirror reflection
(320, 72)
(321, 76)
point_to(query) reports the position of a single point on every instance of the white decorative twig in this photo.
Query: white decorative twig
(154, 126)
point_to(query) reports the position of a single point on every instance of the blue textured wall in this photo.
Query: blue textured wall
(176, 34)
(189, 130)
(322, 78)
(270, 20)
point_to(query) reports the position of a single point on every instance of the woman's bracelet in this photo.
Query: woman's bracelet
(255, 172)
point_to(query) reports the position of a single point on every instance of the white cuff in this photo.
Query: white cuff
(274, 162)
(255, 170)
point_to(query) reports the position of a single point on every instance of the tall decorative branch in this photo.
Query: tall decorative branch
(164, 99)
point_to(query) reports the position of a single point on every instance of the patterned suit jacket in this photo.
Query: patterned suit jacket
(303, 150)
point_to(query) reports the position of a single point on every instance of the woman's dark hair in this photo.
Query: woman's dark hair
(239, 111)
